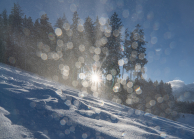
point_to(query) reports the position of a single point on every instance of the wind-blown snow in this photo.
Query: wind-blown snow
(32, 107)
(182, 91)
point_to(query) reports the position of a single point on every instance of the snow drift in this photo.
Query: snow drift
(33, 107)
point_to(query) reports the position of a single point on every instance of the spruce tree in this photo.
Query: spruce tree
(89, 31)
(15, 18)
(2, 50)
(5, 17)
(100, 41)
(4, 38)
(37, 36)
(137, 52)
(97, 31)
(61, 43)
(28, 45)
(110, 66)
(15, 34)
(74, 53)
(127, 52)
(62, 23)
(45, 29)
(89, 38)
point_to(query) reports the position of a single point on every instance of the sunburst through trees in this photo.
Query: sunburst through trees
(90, 56)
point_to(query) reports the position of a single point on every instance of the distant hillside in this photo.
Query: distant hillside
(182, 91)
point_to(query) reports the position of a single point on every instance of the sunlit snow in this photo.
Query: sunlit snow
(32, 107)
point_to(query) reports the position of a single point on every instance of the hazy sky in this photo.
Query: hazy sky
(168, 27)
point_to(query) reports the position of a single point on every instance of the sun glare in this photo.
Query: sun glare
(95, 78)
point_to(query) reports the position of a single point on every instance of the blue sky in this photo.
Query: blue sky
(168, 27)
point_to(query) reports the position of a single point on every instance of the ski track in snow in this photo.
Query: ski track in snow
(32, 107)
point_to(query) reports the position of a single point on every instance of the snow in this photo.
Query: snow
(186, 119)
(32, 107)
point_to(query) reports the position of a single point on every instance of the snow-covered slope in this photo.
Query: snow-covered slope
(32, 107)
(186, 119)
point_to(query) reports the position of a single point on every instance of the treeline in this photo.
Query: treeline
(185, 107)
(151, 97)
(82, 46)
(73, 53)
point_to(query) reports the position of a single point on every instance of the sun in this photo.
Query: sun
(95, 78)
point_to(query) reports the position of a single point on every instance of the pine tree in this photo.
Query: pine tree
(10, 51)
(62, 41)
(37, 32)
(15, 18)
(137, 56)
(89, 31)
(2, 50)
(45, 29)
(74, 27)
(89, 38)
(59, 23)
(74, 53)
(97, 31)
(12, 36)
(37, 40)
(127, 52)
(1, 22)
(113, 45)
(5, 37)
(5, 18)
(100, 41)
(15, 22)
(29, 45)
(15, 32)
(63, 24)
(48, 44)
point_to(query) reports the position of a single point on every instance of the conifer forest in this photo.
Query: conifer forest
(91, 56)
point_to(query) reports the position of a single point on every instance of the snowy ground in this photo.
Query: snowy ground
(186, 119)
(32, 107)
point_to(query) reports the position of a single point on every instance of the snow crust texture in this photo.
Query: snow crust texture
(32, 107)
